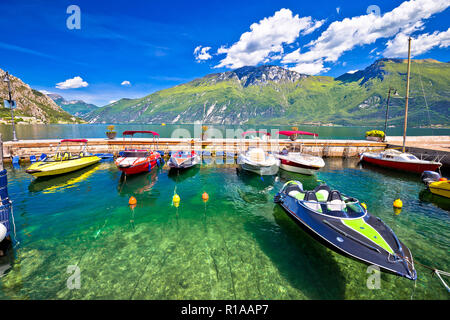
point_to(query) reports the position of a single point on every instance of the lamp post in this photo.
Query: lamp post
(387, 109)
(11, 105)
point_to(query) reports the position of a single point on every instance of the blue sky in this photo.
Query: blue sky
(152, 44)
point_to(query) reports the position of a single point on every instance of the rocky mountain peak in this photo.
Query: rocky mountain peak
(261, 75)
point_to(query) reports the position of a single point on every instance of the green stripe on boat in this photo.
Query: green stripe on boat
(360, 226)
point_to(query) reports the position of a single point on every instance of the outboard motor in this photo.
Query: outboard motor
(429, 177)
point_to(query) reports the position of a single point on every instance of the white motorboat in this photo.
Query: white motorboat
(297, 161)
(258, 161)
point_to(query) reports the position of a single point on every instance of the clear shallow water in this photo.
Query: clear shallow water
(67, 131)
(238, 246)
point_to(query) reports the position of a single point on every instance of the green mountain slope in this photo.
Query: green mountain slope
(273, 95)
(77, 108)
(32, 105)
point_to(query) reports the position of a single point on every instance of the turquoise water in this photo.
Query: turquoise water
(66, 131)
(239, 245)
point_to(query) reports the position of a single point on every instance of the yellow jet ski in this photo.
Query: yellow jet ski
(63, 162)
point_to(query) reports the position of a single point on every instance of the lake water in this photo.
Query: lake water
(69, 131)
(238, 245)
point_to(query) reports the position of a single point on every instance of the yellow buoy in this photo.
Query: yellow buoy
(176, 200)
(163, 124)
(364, 205)
(398, 203)
(132, 201)
(205, 196)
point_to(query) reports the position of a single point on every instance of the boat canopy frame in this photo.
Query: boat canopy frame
(59, 156)
(131, 133)
(301, 133)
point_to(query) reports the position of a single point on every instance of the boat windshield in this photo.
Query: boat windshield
(135, 154)
(348, 208)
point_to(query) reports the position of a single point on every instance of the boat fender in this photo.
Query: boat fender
(2, 232)
(158, 163)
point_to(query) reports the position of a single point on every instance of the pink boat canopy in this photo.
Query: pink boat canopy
(304, 133)
(130, 132)
(248, 132)
(74, 140)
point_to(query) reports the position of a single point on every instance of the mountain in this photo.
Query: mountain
(76, 108)
(32, 105)
(274, 95)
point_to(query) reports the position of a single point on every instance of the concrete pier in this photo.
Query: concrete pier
(325, 148)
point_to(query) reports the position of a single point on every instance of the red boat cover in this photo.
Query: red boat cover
(74, 140)
(247, 132)
(130, 133)
(290, 133)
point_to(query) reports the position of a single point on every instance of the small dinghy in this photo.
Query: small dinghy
(344, 225)
(437, 184)
(183, 160)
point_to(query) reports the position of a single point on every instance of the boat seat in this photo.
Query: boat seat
(297, 194)
(335, 201)
(312, 201)
(336, 205)
(66, 156)
(257, 155)
(322, 192)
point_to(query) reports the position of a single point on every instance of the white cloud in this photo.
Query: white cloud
(341, 36)
(266, 39)
(201, 53)
(398, 47)
(126, 83)
(76, 82)
(310, 68)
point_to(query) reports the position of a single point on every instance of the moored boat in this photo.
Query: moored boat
(345, 226)
(134, 160)
(63, 162)
(298, 161)
(183, 160)
(395, 159)
(436, 184)
(258, 161)
(403, 161)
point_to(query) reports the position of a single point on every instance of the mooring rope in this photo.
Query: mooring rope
(434, 271)
(14, 224)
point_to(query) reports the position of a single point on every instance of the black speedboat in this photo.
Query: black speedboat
(343, 225)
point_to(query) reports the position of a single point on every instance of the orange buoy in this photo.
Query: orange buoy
(132, 201)
(442, 179)
(205, 196)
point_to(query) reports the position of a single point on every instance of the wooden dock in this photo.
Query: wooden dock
(324, 148)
